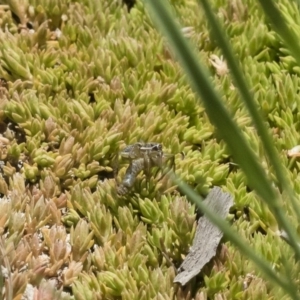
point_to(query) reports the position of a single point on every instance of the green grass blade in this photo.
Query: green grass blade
(240, 82)
(220, 117)
(240, 243)
(289, 37)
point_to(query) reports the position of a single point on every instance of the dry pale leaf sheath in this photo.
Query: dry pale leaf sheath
(207, 237)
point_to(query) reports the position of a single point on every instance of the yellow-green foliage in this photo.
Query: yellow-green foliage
(83, 79)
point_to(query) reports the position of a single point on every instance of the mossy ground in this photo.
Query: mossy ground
(83, 79)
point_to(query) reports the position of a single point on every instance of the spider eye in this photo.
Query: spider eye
(157, 147)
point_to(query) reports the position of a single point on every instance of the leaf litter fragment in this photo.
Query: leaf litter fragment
(207, 237)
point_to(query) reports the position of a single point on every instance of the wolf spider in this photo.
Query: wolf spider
(142, 157)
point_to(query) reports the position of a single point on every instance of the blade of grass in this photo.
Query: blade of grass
(220, 117)
(277, 20)
(239, 242)
(240, 82)
(298, 3)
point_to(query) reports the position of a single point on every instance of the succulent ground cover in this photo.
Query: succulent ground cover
(80, 80)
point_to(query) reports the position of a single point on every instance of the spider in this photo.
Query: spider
(142, 157)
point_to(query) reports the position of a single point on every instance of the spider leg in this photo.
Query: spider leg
(155, 157)
(164, 159)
